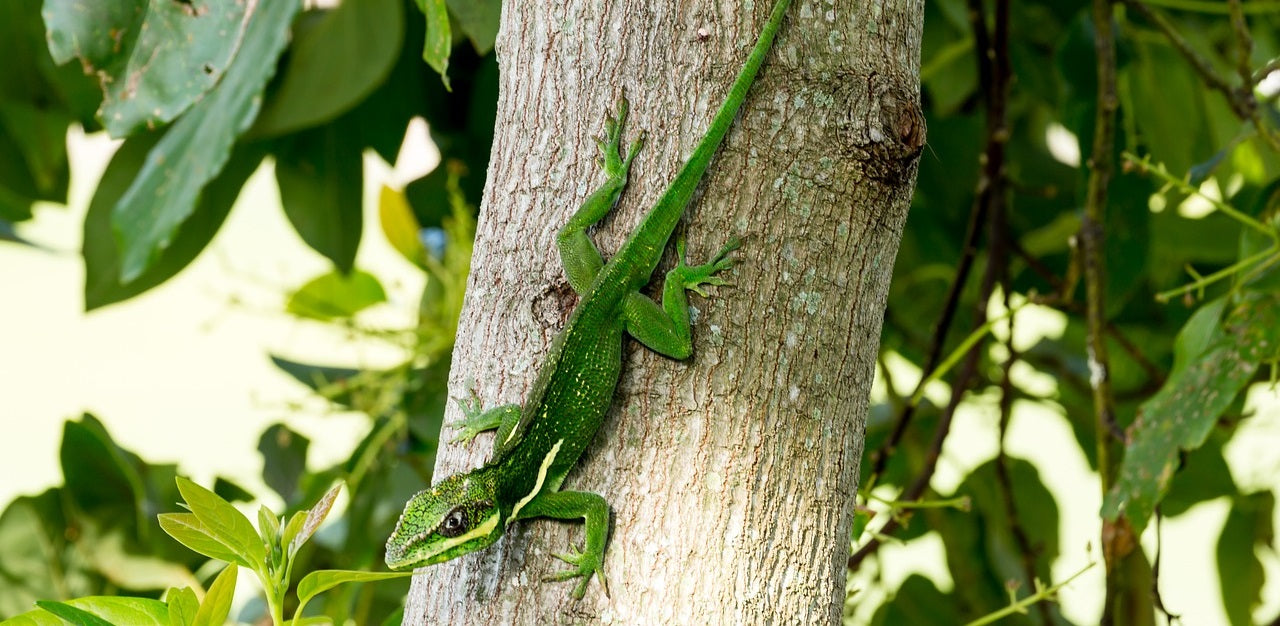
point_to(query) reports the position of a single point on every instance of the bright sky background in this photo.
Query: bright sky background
(181, 374)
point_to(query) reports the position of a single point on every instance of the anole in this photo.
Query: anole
(537, 444)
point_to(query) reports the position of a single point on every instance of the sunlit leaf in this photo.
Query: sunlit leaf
(314, 517)
(188, 530)
(399, 224)
(183, 606)
(217, 602)
(321, 581)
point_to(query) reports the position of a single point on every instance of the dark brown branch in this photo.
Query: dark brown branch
(1026, 551)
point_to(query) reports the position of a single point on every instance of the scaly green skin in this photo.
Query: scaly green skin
(538, 444)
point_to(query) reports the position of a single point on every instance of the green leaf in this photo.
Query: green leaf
(183, 606)
(284, 460)
(268, 525)
(192, 533)
(321, 581)
(331, 296)
(315, 515)
(1267, 209)
(1184, 411)
(330, 382)
(99, 475)
(195, 148)
(291, 530)
(96, 610)
(439, 39)
(154, 58)
(479, 21)
(72, 614)
(1201, 329)
(1167, 94)
(102, 285)
(1240, 572)
(217, 602)
(399, 224)
(41, 134)
(337, 59)
(321, 172)
(230, 491)
(223, 521)
(918, 601)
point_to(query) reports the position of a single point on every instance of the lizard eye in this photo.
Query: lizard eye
(454, 523)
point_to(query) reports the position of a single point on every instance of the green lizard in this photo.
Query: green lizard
(537, 444)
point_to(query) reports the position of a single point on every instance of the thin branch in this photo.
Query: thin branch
(1020, 537)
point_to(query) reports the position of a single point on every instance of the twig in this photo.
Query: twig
(1025, 549)
(1017, 607)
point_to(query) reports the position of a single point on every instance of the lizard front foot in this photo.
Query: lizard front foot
(614, 164)
(587, 563)
(477, 420)
(696, 276)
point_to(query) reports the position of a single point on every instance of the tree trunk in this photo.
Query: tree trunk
(732, 475)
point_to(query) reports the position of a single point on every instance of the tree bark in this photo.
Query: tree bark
(731, 475)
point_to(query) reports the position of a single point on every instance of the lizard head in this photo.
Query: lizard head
(457, 516)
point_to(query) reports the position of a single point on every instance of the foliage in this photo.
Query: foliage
(1183, 285)
(350, 78)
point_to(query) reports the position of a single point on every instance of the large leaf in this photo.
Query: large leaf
(195, 148)
(321, 177)
(336, 59)
(1184, 411)
(102, 284)
(154, 58)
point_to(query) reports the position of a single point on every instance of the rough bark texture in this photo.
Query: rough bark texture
(731, 475)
